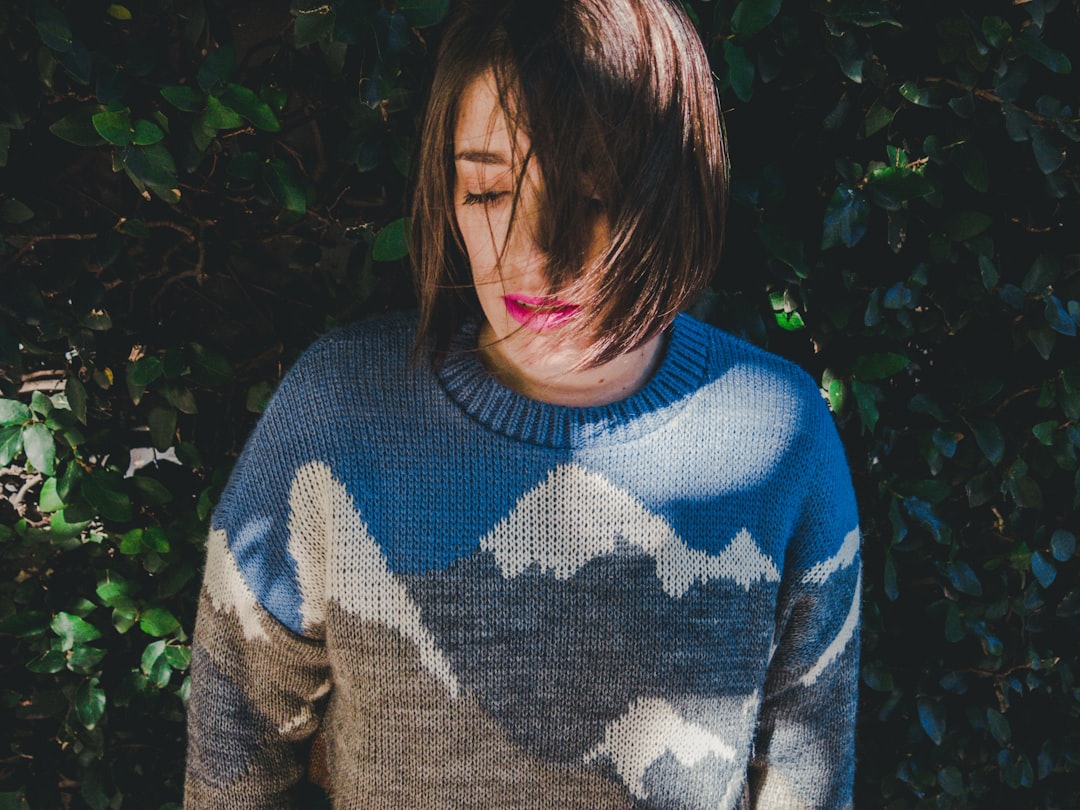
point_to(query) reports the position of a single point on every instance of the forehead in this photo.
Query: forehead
(482, 132)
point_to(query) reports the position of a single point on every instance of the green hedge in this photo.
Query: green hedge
(192, 190)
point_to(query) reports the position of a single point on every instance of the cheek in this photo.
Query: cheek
(480, 235)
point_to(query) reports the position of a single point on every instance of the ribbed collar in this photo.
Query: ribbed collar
(493, 405)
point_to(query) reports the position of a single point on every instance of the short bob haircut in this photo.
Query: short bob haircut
(619, 105)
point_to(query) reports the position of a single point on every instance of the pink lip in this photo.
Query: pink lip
(539, 313)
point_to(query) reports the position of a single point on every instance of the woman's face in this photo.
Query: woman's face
(523, 319)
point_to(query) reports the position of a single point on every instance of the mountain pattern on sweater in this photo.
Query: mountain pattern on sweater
(486, 601)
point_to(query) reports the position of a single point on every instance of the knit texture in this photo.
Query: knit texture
(487, 601)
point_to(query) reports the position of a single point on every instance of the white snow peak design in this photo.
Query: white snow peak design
(650, 728)
(576, 515)
(842, 559)
(847, 630)
(227, 587)
(337, 558)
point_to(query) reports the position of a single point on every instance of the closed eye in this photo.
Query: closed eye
(483, 198)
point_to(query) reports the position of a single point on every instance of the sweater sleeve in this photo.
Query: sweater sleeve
(804, 752)
(259, 672)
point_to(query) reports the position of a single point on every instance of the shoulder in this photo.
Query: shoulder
(747, 378)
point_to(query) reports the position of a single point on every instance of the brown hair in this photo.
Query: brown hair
(616, 91)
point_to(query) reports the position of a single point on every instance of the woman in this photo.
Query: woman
(549, 543)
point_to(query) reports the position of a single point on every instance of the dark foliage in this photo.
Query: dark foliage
(191, 190)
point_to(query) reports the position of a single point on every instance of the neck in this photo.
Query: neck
(558, 383)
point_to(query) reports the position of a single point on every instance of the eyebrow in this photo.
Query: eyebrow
(486, 158)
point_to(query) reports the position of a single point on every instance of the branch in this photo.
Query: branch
(31, 241)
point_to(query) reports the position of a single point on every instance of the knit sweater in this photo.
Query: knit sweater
(487, 601)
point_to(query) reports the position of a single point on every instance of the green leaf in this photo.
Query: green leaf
(963, 578)
(999, 727)
(1062, 545)
(1043, 569)
(996, 31)
(184, 98)
(139, 541)
(178, 657)
(1058, 317)
(119, 12)
(219, 116)
(1048, 157)
(14, 212)
(868, 17)
(216, 70)
(424, 13)
(13, 412)
(1031, 45)
(879, 366)
(135, 228)
(951, 780)
(932, 718)
(990, 440)
(879, 116)
(151, 655)
(76, 397)
(84, 659)
(49, 662)
(152, 166)
(740, 70)
(63, 525)
(789, 321)
(162, 422)
(965, 225)
(115, 591)
(891, 186)
(104, 491)
(930, 97)
(25, 624)
(283, 184)
(158, 622)
(251, 107)
(1025, 492)
(392, 242)
(866, 400)
(41, 404)
(784, 246)
(147, 133)
(209, 368)
(78, 128)
(151, 491)
(53, 28)
(313, 24)
(39, 447)
(180, 397)
(140, 374)
(89, 702)
(73, 629)
(1044, 432)
(846, 218)
(751, 16)
(837, 396)
(49, 500)
(258, 397)
(114, 126)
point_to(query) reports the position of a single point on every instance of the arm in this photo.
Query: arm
(259, 673)
(256, 696)
(805, 746)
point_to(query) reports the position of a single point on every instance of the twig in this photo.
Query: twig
(17, 499)
(31, 241)
(988, 95)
